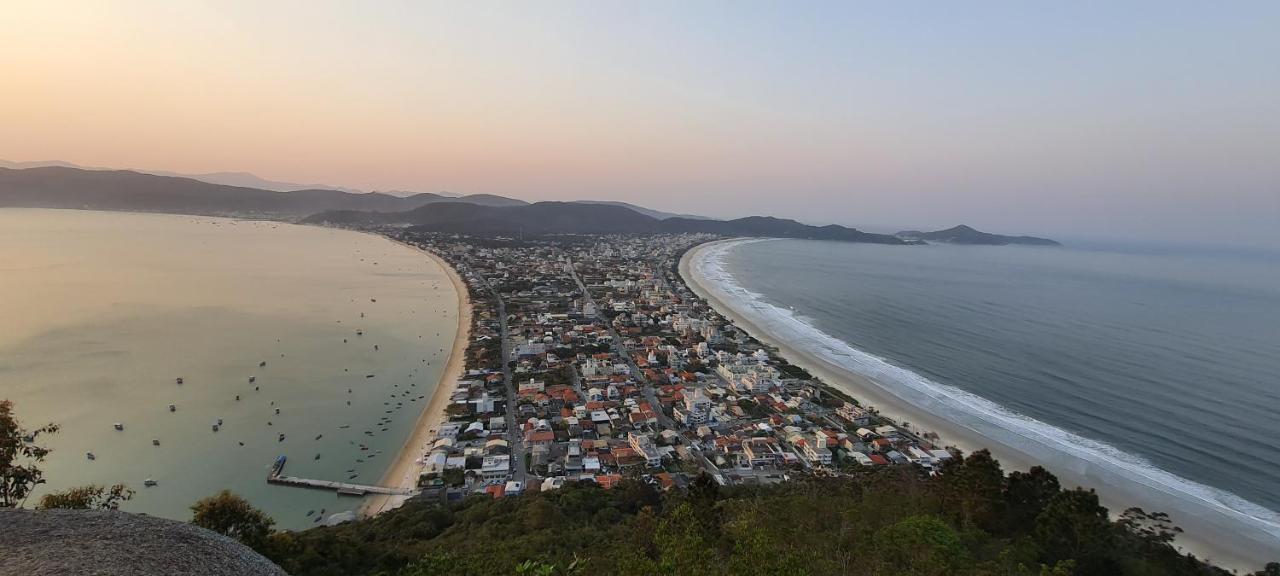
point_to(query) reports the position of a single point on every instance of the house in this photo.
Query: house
(643, 445)
(495, 467)
(762, 451)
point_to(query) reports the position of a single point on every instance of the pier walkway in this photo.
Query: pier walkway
(276, 476)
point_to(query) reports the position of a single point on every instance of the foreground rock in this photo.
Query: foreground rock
(48, 542)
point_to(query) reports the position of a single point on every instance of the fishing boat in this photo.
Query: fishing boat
(155, 442)
(262, 363)
(118, 426)
(178, 380)
(215, 427)
(149, 482)
(281, 438)
(253, 379)
(173, 408)
(90, 456)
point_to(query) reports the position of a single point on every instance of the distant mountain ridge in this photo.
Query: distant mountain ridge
(586, 218)
(60, 186)
(963, 234)
(102, 189)
(242, 179)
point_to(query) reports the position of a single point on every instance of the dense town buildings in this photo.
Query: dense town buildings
(591, 360)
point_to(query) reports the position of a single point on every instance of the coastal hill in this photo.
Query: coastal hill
(63, 187)
(586, 218)
(963, 234)
(57, 184)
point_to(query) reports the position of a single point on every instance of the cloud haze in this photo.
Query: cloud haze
(1144, 121)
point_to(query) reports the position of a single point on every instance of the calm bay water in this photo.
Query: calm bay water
(1171, 362)
(101, 312)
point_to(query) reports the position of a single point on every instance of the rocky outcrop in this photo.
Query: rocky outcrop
(64, 542)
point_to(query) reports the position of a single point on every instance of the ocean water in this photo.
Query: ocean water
(1154, 372)
(101, 312)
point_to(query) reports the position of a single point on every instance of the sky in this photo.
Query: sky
(1151, 121)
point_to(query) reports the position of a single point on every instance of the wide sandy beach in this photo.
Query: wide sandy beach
(1204, 537)
(404, 472)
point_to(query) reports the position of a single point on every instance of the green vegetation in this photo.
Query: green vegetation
(231, 515)
(970, 519)
(20, 457)
(87, 497)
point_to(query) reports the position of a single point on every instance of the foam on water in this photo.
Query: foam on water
(1058, 449)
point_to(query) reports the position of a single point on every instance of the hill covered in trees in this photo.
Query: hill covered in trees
(586, 218)
(969, 520)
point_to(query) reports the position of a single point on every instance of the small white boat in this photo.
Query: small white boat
(253, 379)
(149, 482)
(90, 456)
(118, 426)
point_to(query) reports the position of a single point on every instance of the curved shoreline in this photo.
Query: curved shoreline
(1243, 552)
(405, 470)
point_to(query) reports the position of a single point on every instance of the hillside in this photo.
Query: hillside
(963, 234)
(646, 211)
(587, 218)
(970, 520)
(62, 187)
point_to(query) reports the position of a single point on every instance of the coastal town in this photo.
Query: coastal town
(590, 359)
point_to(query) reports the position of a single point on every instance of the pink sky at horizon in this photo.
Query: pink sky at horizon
(1136, 122)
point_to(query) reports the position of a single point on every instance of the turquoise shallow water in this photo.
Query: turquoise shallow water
(1154, 370)
(102, 311)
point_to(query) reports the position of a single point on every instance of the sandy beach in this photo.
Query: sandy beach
(1204, 535)
(404, 471)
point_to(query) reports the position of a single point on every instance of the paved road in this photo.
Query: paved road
(646, 387)
(519, 472)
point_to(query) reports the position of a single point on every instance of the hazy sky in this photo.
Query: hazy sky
(1147, 120)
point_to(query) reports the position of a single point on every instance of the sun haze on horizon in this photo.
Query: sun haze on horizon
(1153, 121)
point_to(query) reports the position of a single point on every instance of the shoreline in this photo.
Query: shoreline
(1243, 556)
(406, 468)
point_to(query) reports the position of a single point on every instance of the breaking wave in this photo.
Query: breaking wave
(1057, 449)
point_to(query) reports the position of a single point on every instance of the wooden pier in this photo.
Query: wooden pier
(276, 476)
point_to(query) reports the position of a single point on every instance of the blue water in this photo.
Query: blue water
(1173, 357)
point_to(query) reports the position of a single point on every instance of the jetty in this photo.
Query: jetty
(276, 476)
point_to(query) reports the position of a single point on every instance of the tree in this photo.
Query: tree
(1154, 529)
(229, 514)
(973, 486)
(19, 457)
(1025, 495)
(920, 545)
(1075, 526)
(87, 497)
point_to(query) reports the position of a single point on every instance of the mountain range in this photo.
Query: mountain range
(248, 180)
(586, 218)
(55, 185)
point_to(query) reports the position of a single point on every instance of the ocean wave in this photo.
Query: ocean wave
(1054, 447)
